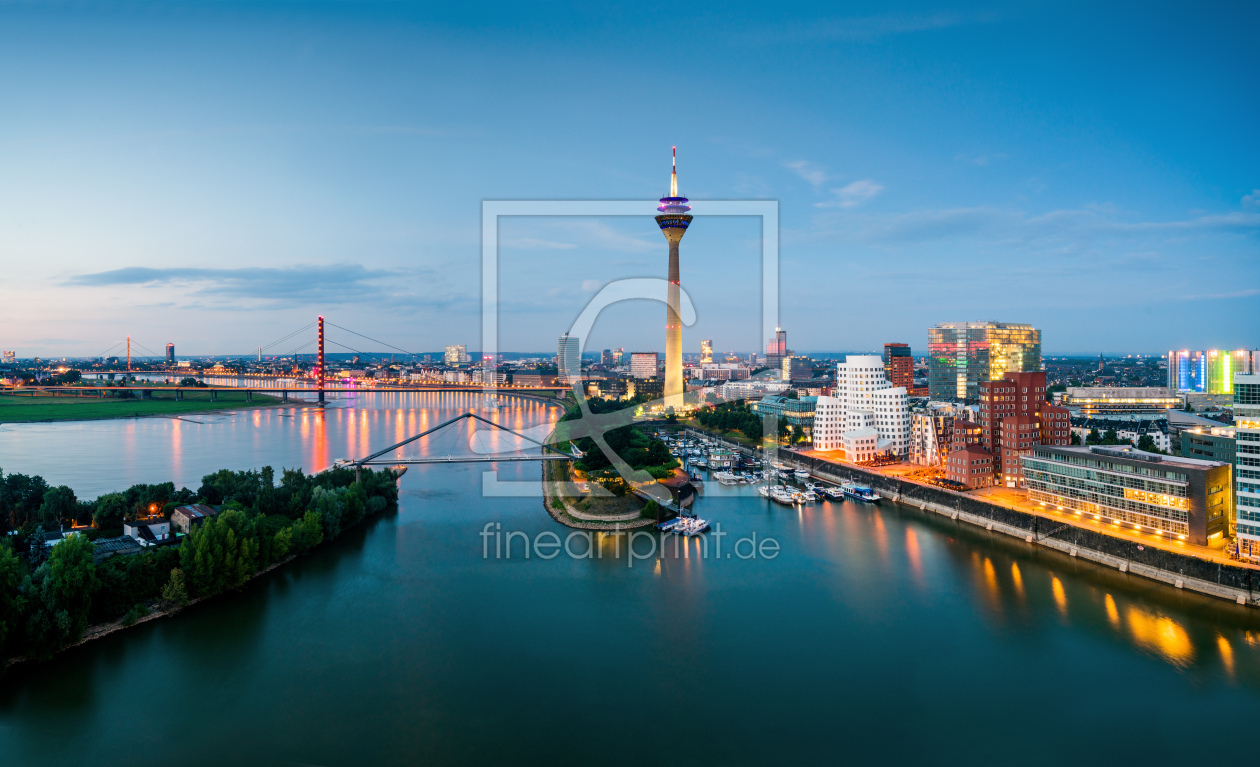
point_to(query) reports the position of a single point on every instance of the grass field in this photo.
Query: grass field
(22, 409)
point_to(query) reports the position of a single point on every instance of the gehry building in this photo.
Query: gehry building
(869, 415)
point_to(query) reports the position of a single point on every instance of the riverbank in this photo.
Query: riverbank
(600, 512)
(47, 409)
(1212, 576)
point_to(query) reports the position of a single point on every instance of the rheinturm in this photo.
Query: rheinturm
(673, 221)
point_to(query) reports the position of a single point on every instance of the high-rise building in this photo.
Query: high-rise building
(644, 364)
(1210, 371)
(899, 365)
(797, 368)
(170, 354)
(619, 357)
(673, 221)
(456, 355)
(871, 406)
(10, 356)
(706, 352)
(776, 349)
(1247, 463)
(963, 354)
(569, 359)
(606, 358)
(1015, 418)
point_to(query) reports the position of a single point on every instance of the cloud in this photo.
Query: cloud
(808, 171)
(1213, 296)
(589, 286)
(335, 283)
(1251, 200)
(852, 195)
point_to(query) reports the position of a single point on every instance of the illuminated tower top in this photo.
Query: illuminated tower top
(673, 209)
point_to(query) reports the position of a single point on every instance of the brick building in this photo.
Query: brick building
(1015, 417)
(899, 365)
(971, 466)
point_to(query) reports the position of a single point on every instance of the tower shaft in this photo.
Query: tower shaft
(673, 333)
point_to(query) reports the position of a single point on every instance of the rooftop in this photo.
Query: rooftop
(1133, 454)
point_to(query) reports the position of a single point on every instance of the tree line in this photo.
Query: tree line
(47, 603)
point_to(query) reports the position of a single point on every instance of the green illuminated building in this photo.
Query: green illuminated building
(963, 354)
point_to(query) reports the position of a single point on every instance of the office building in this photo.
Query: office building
(606, 359)
(1209, 371)
(871, 402)
(10, 356)
(653, 388)
(828, 423)
(644, 364)
(961, 355)
(673, 221)
(796, 411)
(170, 354)
(899, 365)
(797, 368)
(1247, 462)
(1106, 400)
(456, 355)
(776, 349)
(1126, 488)
(569, 359)
(1015, 417)
(706, 352)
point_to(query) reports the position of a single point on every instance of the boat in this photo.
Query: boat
(784, 475)
(781, 495)
(860, 492)
(764, 490)
(809, 496)
(802, 475)
(834, 493)
(724, 477)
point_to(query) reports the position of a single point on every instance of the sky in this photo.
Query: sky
(217, 174)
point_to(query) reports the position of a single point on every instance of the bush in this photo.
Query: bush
(135, 614)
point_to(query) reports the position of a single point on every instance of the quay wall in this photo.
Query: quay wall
(1235, 583)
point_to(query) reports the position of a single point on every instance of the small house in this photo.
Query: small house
(148, 533)
(185, 518)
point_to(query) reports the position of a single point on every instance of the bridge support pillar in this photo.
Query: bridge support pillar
(179, 395)
(358, 473)
(146, 394)
(214, 396)
(284, 395)
(249, 395)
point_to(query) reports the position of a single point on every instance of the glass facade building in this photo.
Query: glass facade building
(569, 358)
(1247, 463)
(963, 354)
(1211, 371)
(1125, 487)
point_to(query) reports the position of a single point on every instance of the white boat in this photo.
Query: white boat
(802, 475)
(764, 490)
(781, 495)
(834, 493)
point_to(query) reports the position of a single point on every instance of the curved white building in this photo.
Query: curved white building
(870, 407)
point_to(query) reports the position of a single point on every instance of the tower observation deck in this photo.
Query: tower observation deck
(673, 219)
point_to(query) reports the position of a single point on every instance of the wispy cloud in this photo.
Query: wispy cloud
(983, 159)
(852, 195)
(531, 243)
(1251, 200)
(858, 29)
(813, 174)
(334, 283)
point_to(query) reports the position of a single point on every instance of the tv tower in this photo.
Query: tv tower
(673, 221)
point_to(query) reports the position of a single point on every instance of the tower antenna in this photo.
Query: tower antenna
(673, 175)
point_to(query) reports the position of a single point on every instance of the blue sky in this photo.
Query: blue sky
(216, 174)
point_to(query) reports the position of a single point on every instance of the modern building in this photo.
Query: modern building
(776, 349)
(828, 423)
(569, 359)
(644, 364)
(653, 388)
(871, 402)
(706, 352)
(1107, 400)
(1123, 487)
(899, 365)
(961, 355)
(10, 356)
(170, 354)
(971, 466)
(457, 355)
(1015, 417)
(797, 368)
(1130, 429)
(606, 359)
(796, 411)
(1209, 371)
(1247, 463)
(673, 220)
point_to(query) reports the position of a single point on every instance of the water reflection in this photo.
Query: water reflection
(1161, 635)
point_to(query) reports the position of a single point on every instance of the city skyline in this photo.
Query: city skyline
(159, 188)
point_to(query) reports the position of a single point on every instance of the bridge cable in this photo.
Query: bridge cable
(382, 343)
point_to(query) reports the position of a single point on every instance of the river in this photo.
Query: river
(876, 635)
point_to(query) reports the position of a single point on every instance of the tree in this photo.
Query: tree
(308, 532)
(64, 586)
(221, 554)
(1109, 437)
(1093, 438)
(111, 509)
(59, 503)
(1147, 442)
(175, 591)
(1076, 438)
(12, 601)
